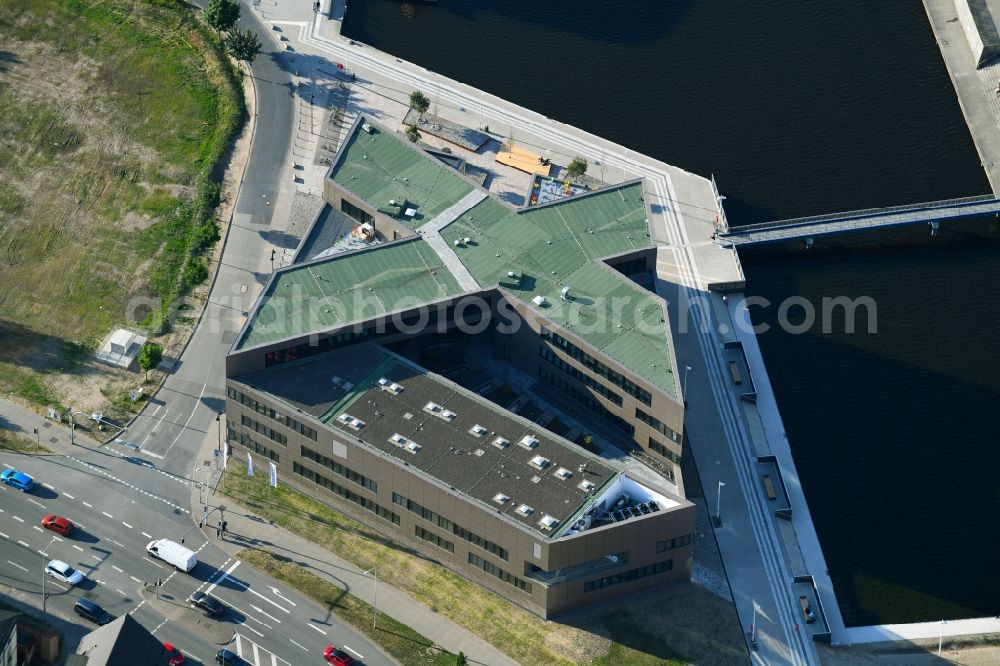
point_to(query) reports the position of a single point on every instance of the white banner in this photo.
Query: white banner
(249, 464)
(272, 472)
(225, 457)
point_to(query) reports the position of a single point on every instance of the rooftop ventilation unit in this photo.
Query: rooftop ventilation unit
(368, 128)
(350, 421)
(501, 443)
(392, 387)
(562, 473)
(541, 462)
(447, 415)
(439, 411)
(524, 510)
(564, 294)
(585, 486)
(477, 430)
(547, 522)
(539, 300)
(398, 440)
(528, 442)
(335, 380)
(500, 498)
(412, 447)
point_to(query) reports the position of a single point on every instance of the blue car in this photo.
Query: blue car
(16, 479)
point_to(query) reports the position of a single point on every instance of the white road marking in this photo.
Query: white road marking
(152, 561)
(223, 577)
(35, 502)
(247, 626)
(188, 422)
(78, 548)
(107, 514)
(265, 613)
(100, 581)
(250, 589)
(141, 604)
(135, 579)
(299, 644)
(96, 557)
(117, 569)
(4, 535)
(126, 524)
(38, 528)
(20, 520)
(59, 585)
(277, 592)
(24, 544)
(256, 657)
(8, 466)
(360, 656)
(148, 536)
(16, 565)
(120, 592)
(48, 486)
(117, 543)
(68, 495)
(316, 628)
(88, 505)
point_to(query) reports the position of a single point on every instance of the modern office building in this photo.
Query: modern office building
(410, 253)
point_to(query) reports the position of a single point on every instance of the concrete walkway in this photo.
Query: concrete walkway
(431, 232)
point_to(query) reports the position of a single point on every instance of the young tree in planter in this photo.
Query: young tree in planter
(419, 103)
(412, 133)
(222, 14)
(243, 45)
(577, 167)
(150, 357)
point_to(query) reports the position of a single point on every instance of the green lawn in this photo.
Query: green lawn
(113, 114)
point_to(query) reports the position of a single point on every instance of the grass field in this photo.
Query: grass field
(113, 114)
(675, 625)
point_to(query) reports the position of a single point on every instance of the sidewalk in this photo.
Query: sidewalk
(52, 435)
(244, 530)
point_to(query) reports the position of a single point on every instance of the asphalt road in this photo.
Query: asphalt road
(268, 622)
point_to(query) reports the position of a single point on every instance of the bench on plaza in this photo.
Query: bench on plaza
(807, 612)
(734, 370)
(769, 487)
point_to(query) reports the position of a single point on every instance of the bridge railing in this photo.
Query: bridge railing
(868, 212)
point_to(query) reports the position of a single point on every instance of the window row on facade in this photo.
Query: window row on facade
(271, 413)
(586, 399)
(346, 493)
(438, 541)
(493, 569)
(634, 574)
(334, 466)
(676, 542)
(657, 425)
(576, 374)
(263, 429)
(598, 368)
(247, 442)
(457, 530)
(664, 451)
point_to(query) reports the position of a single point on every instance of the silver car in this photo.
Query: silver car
(64, 572)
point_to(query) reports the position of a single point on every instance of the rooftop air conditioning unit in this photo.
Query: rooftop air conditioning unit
(412, 447)
(548, 522)
(564, 294)
(541, 462)
(477, 430)
(500, 498)
(501, 443)
(528, 442)
(524, 510)
(562, 473)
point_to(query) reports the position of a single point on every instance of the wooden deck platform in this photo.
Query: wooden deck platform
(523, 160)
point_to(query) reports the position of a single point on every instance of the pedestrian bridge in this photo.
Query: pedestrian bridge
(808, 228)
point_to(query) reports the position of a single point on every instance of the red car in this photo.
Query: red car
(337, 657)
(57, 524)
(174, 656)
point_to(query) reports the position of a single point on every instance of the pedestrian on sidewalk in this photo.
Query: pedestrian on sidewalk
(218, 532)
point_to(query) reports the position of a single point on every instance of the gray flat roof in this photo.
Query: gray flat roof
(347, 382)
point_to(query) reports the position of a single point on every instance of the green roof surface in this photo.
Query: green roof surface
(561, 244)
(324, 294)
(380, 168)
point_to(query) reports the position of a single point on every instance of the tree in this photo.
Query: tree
(222, 14)
(461, 659)
(150, 357)
(419, 103)
(412, 133)
(243, 45)
(577, 167)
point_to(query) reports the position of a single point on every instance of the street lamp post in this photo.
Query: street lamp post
(44, 574)
(374, 574)
(218, 423)
(684, 384)
(718, 500)
(941, 636)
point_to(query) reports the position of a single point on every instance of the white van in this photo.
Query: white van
(173, 553)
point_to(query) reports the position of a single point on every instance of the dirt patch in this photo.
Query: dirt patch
(974, 651)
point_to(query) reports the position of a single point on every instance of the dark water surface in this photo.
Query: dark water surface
(801, 108)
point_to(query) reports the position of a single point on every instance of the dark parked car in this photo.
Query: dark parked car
(88, 609)
(209, 604)
(228, 658)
